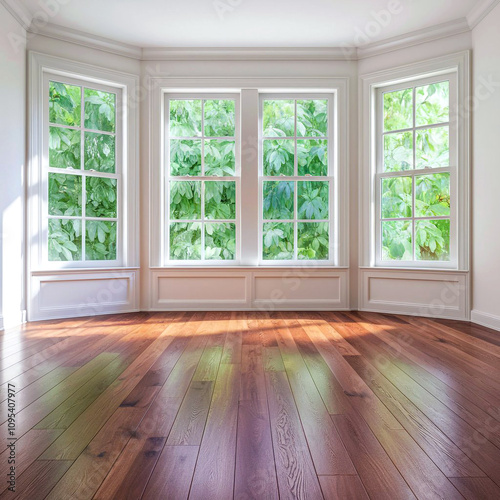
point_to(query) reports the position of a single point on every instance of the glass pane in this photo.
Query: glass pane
(279, 157)
(185, 118)
(100, 110)
(65, 195)
(312, 157)
(65, 240)
(396, 197)
(220, 158)
(185, 240)
(219, 118)
(100, 152)
(313, 240)
(278, 118)
(433, 104)
(100, 240)
(185, 157)
(220, 200)
(398, 152)
(432, 196)
(433, 148)
(396, 240)
(101, 197)
(398, 110)
(220, 241)
(277, 241)
(64, 148)
(278, 199)
(432, 240)
(312, 118)
(65, 103)
(312, 198)
(185, 200)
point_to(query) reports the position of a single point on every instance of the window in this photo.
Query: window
(82, 164)
(296, 178)
(415, 173)
(202, 191)
(250, 177)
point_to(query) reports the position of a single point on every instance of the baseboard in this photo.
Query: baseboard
(485, 319)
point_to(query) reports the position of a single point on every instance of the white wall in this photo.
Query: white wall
(12, 168)
(486, 170)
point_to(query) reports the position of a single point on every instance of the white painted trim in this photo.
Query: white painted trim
(127, 84)
(418, 37)
(1, 323)
(87, 40)
(18, 11)
(285, 293)
(460, 63)
(485, 319)
(342, 53)
(452, 302)
(159, 86)
(248, 54)
(480, 11)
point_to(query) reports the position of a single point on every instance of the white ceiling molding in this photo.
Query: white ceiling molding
(249, 54)
(86, 39)
(480, 11)
(18, 12)
(414, 38)
(463, 25)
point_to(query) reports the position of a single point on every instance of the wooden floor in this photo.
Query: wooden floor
(252, 405)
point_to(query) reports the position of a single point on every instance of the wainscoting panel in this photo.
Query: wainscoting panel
(423, 293)
(248, 289)
(76, 293)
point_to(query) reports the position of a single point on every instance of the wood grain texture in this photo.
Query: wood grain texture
(255, 405)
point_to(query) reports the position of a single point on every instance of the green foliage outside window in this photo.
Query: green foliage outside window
(423, 195)
(295, 157)
(69, 216)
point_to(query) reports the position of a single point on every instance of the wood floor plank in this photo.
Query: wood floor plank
(37, 481)
(476, 488)
(377, 471)
(328, 452)
(28, 449)
(171, 478)
(254, 478)
(342, 488)
(214, 472)
(295, 471)
(225, 405)
(78, 435)
(89, 470)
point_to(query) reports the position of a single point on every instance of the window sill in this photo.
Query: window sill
(415, 269)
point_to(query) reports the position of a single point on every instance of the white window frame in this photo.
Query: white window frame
(42, 69)
(330, 178)
(249, 89)
(454, 68)
(169, 178)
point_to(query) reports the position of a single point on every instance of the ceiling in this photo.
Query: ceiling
(252, 23)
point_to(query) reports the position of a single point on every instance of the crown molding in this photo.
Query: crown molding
(17, 10)
(480, 11)
(344, 53)
(418, 37)
(249, 54)
(87, 40)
